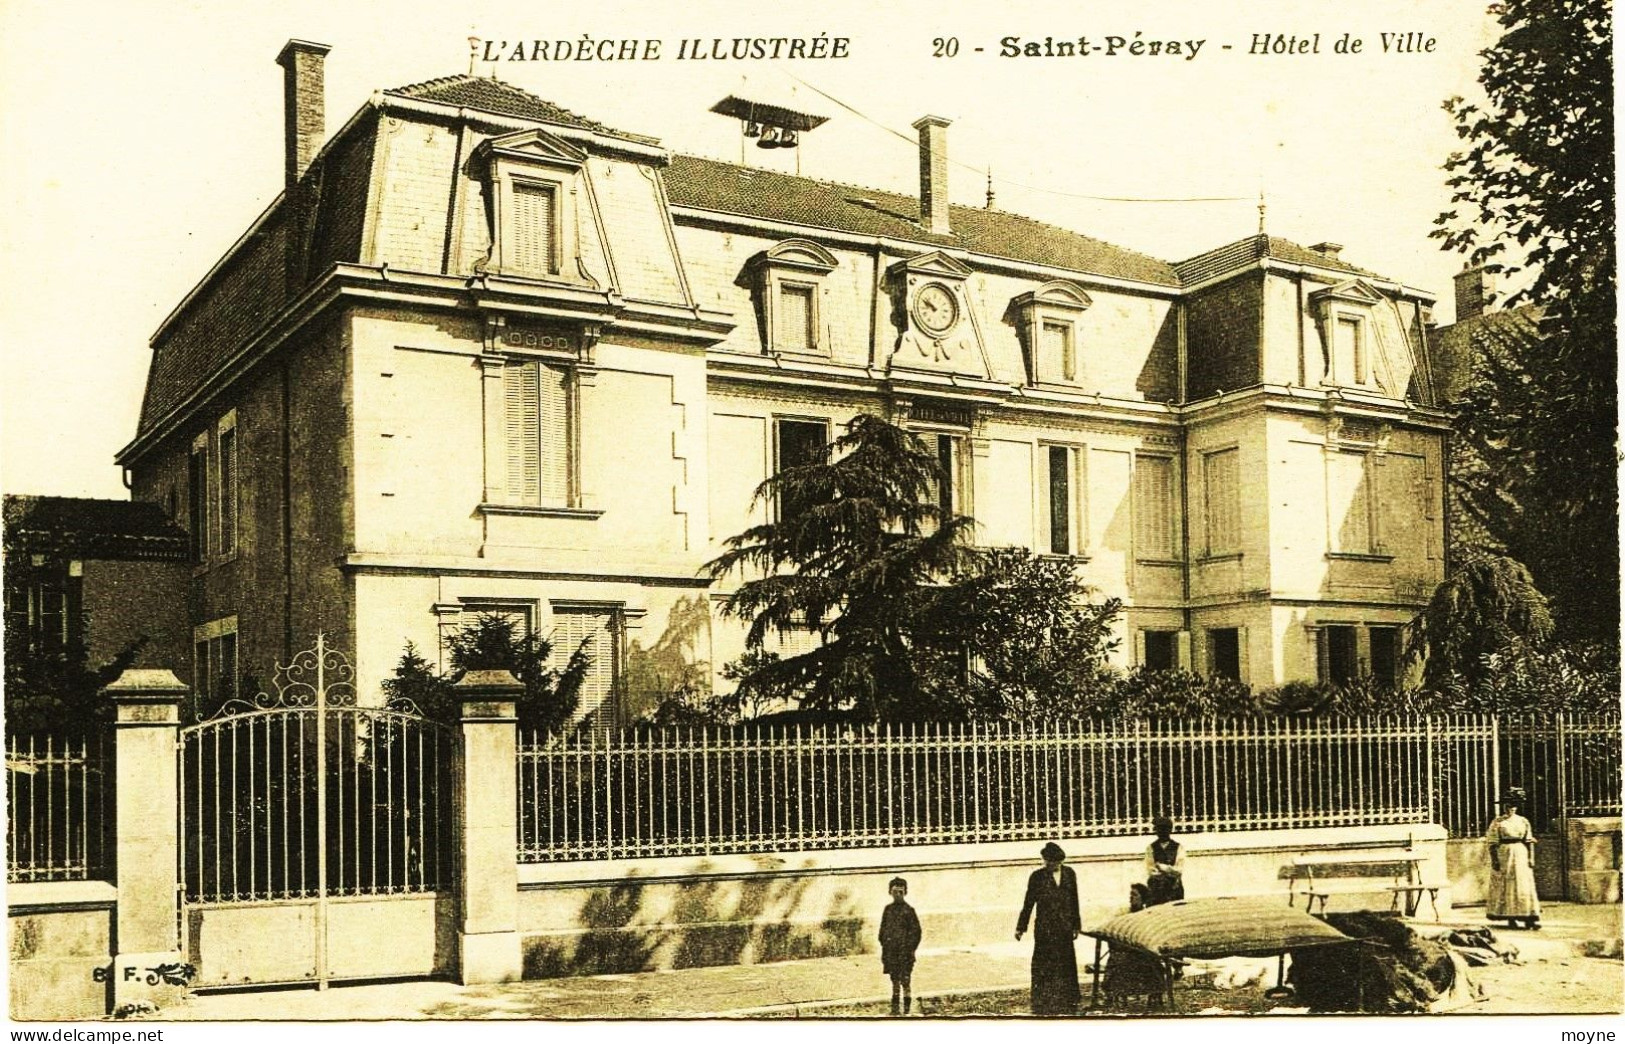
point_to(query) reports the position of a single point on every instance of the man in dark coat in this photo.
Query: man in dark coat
(1053, 893)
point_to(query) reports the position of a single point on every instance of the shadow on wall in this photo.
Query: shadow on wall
(710, 922)
(673, 664)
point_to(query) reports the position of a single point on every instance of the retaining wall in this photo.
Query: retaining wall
(649, 914)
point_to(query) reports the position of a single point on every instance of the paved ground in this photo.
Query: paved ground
(1571, 966)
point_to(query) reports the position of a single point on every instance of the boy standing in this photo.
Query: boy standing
(899, 938)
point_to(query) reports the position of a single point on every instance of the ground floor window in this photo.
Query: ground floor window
(596, 630)
(1224, 653)
(1161, 650)
(215, 669)
(1385, 655)
(1338, 655)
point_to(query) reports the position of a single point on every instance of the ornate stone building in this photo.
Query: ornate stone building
(484, 354)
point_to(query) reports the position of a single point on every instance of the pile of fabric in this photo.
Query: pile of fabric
(1391, 970)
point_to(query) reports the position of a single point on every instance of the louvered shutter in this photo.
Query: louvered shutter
(1223, 474)
(522, 404)
(595, 702)
(793, 323)
(1154, 513)
(228, 491)
(553, 404)
(531, 244)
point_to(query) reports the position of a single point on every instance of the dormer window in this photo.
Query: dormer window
(532, 180)
(1363, 339)
(1047, 319)
(788, 282)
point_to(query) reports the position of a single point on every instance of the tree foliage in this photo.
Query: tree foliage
(916, 625)
(1487, 606)
(55, 688)
(856, 545)
(493, 642)
(1534, 191)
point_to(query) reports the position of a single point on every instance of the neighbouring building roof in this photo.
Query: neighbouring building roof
(1244, 253)
(504, 99)
(1453, 351)
(749, 192)
(83, 527)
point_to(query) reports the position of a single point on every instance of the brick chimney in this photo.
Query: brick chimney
(933, 174)
(1328, 250)
(1474, 287)
(303, 104)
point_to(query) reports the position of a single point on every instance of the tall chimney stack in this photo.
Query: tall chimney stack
(303, 104)
(1474, 287)
(933, 174)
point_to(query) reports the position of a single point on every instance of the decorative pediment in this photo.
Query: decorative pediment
(934, 263)
(535, 145)
(1354, 291)
(1057, 294)
(801, 255)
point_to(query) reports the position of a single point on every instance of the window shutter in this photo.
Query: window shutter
(1154, 487)
(1182, 645)
(1056, 350)
(531, 244)
(595, 698)
(1223, 475)
(520, 393)
(228, 491)
(554, 463)
(793, 323)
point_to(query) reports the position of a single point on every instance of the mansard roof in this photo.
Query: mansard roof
(84, 527)
(489, 94)
(729, 188)
(1245, 253)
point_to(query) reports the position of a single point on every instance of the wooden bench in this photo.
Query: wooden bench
(1311, 875)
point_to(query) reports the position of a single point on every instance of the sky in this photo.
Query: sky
(142, 138)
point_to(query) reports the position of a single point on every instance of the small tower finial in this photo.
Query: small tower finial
(990, 188)
(1260, 211)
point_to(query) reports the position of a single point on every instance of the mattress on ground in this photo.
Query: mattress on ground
(1206, 928)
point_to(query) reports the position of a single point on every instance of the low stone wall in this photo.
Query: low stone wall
(1594, 858)
(61, 934)
(636, 915)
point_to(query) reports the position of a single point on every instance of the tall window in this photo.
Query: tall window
(1385, 655)
(1064, 511)
(1349, 500)
(1221, 474)
(215, 672)
(1224, 653)
(1338, 655)
(197, 498)
(795, 443)
(1350, 347)
(534, 242)
(228, 490)
(1056, 354)
(793, 319)
(596, 632)
(537, 423)
(947, 488)
(1154, 513)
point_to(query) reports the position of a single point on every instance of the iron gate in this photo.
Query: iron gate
(316, 834)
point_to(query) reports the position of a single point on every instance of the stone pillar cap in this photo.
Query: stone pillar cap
(146, 683)
(479, 683)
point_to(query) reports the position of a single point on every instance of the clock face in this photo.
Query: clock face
(935, 309)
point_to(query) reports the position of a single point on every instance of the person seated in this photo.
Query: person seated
(1133, 974)
(1164, 865)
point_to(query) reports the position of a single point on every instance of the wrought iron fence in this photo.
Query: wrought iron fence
(711, 791)
(59, 807)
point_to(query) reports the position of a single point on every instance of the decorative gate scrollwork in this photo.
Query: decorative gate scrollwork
(300, 795)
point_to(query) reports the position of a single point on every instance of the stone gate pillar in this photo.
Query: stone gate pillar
(147, 836)
(488, 928)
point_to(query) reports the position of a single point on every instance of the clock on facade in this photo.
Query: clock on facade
(935, 309)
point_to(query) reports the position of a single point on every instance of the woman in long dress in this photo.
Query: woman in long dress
(1052, 894)
(1511, 842)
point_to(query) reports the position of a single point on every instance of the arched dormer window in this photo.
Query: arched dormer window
(788, 280)
(1363, 339)
(1047, 320)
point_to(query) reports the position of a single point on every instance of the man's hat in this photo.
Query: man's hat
(1052, 852)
